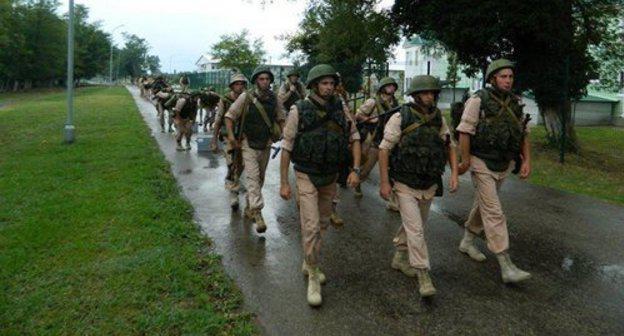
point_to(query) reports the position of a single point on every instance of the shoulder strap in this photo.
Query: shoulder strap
(262, 111)
(425, 119)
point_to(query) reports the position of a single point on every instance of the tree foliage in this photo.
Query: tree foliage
(237, 51)
(610, 55)
(548, 40)
(346, 34)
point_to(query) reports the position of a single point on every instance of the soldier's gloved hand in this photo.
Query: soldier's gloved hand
(285, 191)
(385, 190)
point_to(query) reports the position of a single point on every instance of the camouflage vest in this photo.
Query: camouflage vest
(322, 142)
(189, 110)
(419, 158)
(381, 124)
(296, 95)
(499, 130)
(256, 131)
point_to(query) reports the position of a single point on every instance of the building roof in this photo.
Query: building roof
(412, 42)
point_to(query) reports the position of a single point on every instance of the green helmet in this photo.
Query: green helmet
(387, 81)
(260, 70)
(239, 77)
(423, 83)
(319, 71)
(496, 65)
(293, 72)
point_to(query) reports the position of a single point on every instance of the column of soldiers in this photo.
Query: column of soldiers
(411, 142)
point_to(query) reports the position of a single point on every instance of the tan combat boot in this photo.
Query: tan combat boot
(400, 262)
(247, 213)
(234, 200)
(467, 246)
(306, 269)
(335, 219)
(179, 147)
(260, 224)
(509, 272)
(358, 191)
(425, 285)
(314, 289)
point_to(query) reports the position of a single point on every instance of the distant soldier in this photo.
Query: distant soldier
(208, 106)
(316, 138)
(493, 135)
(184, 83)
(413, 154)
(162, 92)
(237, 85)
(291, 90)
(372, 125)
(261, 118)
(185, 110)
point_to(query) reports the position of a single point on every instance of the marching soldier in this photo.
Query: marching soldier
(238, 84)
(162, 92)
(413, 154)
(185, 111)
(184, 83)
(372, 125)
(291, 90)
(260, 118)
(491, 138)
(316, 138)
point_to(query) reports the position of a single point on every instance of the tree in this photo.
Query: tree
(548, 40)
(132, 58)
(236, 51)
(610, 55)
(347, 34)
(92, 46)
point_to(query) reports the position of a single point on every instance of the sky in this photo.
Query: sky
(180, 31)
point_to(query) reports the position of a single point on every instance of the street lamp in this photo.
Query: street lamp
(69, 124)
(110, 71)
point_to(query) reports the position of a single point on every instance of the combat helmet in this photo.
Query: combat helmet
(423, 83)
(293, 72)
(319, 71)
(496, 65)
(387, 81)
(260, 70)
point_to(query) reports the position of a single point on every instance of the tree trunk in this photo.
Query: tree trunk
(554, 117)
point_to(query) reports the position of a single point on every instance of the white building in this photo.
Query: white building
(206, 63)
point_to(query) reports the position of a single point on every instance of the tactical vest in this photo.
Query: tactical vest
(296, 95)
(189, 110)
(419, 158)
(498, 135)
(322, 142)
(255, 129)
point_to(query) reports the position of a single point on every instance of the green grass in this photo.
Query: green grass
(95, 237)
(597, 170)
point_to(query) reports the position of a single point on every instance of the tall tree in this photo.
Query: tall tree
(133, 56)
(549, 40)
(237, 51)
(347, 34)
(610, 55)
(92, 46)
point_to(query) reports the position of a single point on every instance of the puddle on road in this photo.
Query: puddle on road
(185, 171)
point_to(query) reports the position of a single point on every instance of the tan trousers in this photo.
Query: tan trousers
(183, 129)
(315, 208)
(255, 162)
(414, 206)
(487, 212)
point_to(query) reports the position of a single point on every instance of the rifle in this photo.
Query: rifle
(389, 112)
(518, 157)
(236, 168)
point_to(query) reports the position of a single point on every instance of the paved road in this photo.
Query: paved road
(573, 245)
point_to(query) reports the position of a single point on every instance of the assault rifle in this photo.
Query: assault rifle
(387, 113)
(518, 158)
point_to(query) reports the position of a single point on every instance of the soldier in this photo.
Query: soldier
(209, 106)
(317, 137)
(185, 111)
(491, 137)
(291, 90)
(238, 84)
(416, 146)
(260, 118)
(372, 127)
(162, 92)
(184, 83)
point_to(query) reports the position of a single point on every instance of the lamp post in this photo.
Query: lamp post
(69, 124)
(110, 69)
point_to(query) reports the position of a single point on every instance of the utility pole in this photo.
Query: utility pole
(110, 69)
(69, 124)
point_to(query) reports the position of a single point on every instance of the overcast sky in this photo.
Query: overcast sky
(180, 31)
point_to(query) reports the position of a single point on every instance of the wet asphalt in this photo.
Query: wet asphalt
(573, 245)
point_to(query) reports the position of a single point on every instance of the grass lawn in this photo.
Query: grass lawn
(95, 237)
(597, 170)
